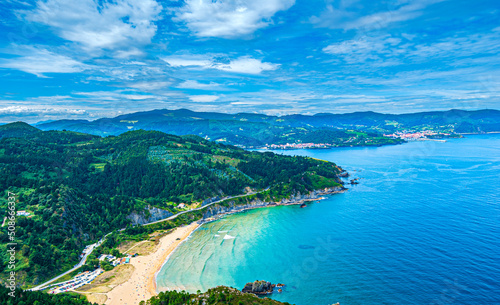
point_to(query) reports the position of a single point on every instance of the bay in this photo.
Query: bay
(422, 227)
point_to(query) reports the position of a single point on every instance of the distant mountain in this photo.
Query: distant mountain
(248, 129)
(482, 120)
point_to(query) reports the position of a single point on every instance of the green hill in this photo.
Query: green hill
(78, 187)
(17, 129)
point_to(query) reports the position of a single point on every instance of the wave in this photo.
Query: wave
(229, 236)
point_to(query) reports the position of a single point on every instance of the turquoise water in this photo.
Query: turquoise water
(422, 227)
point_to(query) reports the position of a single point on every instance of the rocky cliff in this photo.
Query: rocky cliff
(257, 203)
(150, 214)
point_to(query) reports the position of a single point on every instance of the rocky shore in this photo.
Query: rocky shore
(297, 199)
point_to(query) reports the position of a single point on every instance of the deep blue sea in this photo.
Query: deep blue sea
(422, 227)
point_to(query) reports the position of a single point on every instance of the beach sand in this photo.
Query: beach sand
(142, 285)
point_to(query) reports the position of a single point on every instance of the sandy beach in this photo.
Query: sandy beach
(142, 285)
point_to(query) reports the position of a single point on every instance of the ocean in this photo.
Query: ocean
(422, 227)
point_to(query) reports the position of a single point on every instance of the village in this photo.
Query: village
(412, 136)
(297, 146)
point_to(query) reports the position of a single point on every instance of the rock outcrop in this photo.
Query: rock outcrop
(259, 288)
(154, 215)
(209, 200)
(257, 203)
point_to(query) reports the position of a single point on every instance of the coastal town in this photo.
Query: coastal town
(405, 135)
(416, 135)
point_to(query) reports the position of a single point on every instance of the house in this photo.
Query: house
(23, 213)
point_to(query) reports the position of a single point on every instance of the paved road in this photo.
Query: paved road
(81, 263)
(97, 244)
(202, 207)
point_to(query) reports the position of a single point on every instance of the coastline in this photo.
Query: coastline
(142, 283)
(273, 204)
(294, 201)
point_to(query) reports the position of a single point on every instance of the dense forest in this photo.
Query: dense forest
(215, 296)
(20, 297)
(77, 187)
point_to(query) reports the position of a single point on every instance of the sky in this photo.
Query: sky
(87, 59)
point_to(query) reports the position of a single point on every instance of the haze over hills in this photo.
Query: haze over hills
(249, 129)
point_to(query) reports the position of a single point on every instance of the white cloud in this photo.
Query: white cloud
(128, 53)
(40, 61)
(465, 46)
(384, 50)
(192, 84)
(146, 86)
(348, 18)
(203, 98)
(118, 95)
(100, 25)
(347, 47)
(188, 60)
(244, 64)
(231, 18)
(27, 110)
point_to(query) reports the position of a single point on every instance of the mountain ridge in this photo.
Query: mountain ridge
(256, 130)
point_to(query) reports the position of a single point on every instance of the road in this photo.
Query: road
(97, 244)
(202, 207)
(81, 263)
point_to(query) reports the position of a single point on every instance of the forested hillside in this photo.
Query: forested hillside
(77, 187)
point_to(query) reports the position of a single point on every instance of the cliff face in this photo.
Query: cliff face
(257, 203)
(154, 215)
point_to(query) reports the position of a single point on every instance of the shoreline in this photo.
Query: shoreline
(143, 279)
(296, 202)
(221, 215)
(152, 286)
(141, 285)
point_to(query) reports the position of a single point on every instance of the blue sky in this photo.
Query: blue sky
(88, 59)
